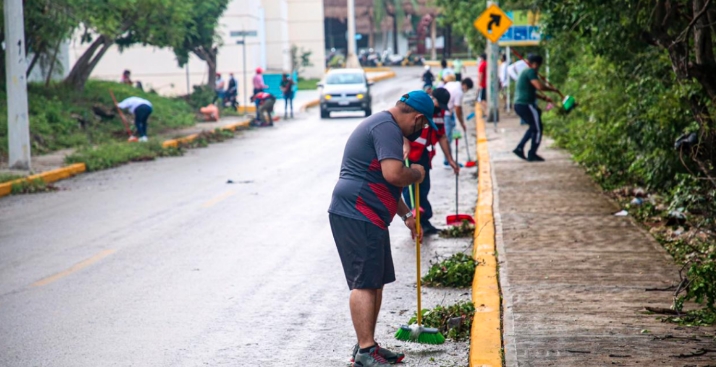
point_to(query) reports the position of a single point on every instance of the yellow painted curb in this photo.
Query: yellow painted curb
(376, 69)
(174, 143)
(486, 333)
(387, 75)
(48, 177)
(309, 104)
(464, 63)
(246, 109)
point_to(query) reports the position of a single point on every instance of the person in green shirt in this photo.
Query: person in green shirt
(458, 68)
(528, 83)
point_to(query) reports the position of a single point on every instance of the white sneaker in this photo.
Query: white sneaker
(143, 139)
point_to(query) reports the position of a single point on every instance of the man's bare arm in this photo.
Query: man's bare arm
(397, 174)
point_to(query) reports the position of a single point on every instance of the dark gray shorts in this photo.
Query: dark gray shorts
(364, 250)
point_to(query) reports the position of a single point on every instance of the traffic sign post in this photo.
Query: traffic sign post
(493, 23)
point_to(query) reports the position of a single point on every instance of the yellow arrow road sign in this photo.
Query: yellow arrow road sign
(493, 23)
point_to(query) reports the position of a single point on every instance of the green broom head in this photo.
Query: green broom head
(419, 334)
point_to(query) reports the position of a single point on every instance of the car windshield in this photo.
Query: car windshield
(344, 78)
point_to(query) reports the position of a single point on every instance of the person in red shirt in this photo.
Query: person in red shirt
(482, 82)
(265, 102)
(422, 151)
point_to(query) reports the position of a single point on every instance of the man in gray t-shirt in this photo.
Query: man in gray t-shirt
(365, 200)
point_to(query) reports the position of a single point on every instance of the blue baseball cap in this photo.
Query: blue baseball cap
(421, 102)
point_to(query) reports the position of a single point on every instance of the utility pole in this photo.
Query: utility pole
(351, 58)
(493, 99)
(18, 123)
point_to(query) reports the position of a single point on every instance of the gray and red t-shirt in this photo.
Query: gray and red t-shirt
(362, 192)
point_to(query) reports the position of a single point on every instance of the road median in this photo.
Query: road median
(46, 177)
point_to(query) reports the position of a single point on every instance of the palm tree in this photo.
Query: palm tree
(393, 9)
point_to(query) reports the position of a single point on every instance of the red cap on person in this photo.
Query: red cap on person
(259, 70)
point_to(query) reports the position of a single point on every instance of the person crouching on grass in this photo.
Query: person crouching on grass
(141, 109)
(364, 202)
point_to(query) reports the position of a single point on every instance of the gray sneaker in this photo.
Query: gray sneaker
(388, 355)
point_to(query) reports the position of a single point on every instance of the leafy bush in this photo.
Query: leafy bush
(32, 187)
(456, 271)
(202, 96)
(6, 177)
(465, 229)
(623, 133)
(455, 321)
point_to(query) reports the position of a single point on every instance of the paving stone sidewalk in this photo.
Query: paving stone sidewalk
(573, 276)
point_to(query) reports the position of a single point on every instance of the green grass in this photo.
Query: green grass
(307, 84)
(63, 118)
(453, 321)
(456, 271)
(117, 153)
(114, 154)
(32, 187)
(6, 177)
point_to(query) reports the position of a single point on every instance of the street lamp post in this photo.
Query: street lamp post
(493, 107)
(351, 58)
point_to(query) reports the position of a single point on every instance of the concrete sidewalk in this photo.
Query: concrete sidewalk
(573, 276)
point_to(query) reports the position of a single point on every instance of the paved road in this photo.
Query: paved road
(165, 264)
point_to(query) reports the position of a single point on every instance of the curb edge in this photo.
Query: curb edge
(49, 177)
(486, 333)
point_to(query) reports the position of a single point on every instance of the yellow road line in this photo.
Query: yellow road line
(217, 199)
(486, 333)
(75, 268)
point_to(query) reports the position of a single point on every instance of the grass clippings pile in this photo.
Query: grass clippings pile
(457, 271)
(465, 229)
(454, 321)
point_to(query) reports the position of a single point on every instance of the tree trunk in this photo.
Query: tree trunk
(53, 61)
(395, 35)
(208, 56)
(35, 58)
(212, 72)
(82, 69)
(433, 39)
(371, 32)
(703, 46)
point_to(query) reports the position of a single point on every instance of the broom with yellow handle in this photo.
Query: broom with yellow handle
(416, 332)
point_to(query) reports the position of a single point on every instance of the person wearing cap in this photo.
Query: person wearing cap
(422, 151)
(259, 87)
(364, 202)
(265, 102)
(428, 78)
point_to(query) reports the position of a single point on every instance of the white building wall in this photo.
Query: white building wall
(305, 24)
(42, 67)
(278, 51)
(384, 41)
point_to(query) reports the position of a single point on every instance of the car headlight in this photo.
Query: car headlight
(326, 96)
(360, 95)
